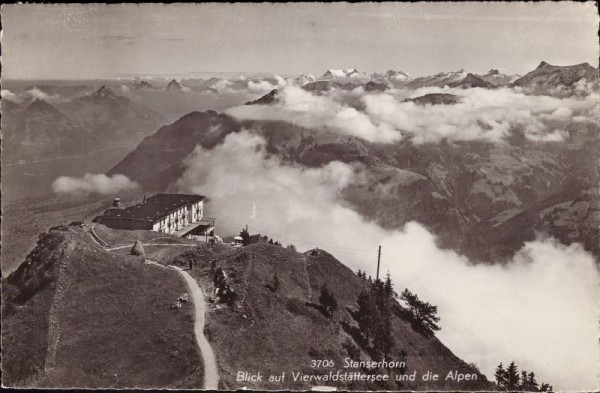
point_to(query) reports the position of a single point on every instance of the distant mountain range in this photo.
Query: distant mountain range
(544, 77)
(76, 126)
(42, 131)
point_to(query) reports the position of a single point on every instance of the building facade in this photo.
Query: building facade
(175, 214)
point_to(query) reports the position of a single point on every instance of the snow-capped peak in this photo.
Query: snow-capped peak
(341, 73)
(397, 76)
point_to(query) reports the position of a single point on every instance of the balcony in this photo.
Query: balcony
(204, 227)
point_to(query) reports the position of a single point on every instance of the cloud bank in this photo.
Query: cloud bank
(307, 110)
(539, 310)
(487, 115)
(93, 184)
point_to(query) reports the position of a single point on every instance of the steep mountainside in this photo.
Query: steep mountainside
(157, 161)
(114, 118)
(276, 328)
(472, 81)
(267, 99)
(458, 191)
(547, 75)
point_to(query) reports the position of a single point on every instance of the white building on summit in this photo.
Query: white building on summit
(175, 214)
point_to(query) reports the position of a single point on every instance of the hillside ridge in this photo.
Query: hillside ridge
(272, 325)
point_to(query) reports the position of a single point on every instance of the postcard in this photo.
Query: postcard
(301, 196)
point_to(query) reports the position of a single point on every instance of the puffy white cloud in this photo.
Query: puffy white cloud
(302, 108)
(41, 95)
(260, 87)
(280, 80)
(540, 309)
(10, 96)
(223, 86)
(480, 115)
(93, 184)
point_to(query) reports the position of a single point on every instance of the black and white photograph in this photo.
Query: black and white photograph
(340, 196)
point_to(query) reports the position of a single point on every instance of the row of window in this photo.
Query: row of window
(179, 218)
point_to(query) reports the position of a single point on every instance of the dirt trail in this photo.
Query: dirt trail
(211, 373)
(56, 308)
(153, 244)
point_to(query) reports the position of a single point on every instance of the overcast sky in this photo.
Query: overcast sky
(100, 41)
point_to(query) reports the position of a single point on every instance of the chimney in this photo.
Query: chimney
(144, 198)
(117, 203)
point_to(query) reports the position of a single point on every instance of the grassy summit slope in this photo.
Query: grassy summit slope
(96, 319)
(83, 316)
(279, 331)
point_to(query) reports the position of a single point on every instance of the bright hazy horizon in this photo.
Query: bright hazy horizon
(69, 41)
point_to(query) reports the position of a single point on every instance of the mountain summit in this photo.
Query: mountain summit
(548, 75)
(103, 92)
(174, 86)
(341, 73)
(472, 80)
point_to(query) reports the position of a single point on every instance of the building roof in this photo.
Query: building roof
(155, 207)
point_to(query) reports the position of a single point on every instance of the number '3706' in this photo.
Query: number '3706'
(319, 363)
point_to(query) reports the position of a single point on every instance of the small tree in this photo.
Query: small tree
(275, 282)
(424, 314)
(383, 341)
(388, 286)
(327, 300)
(512, 377)
(500, 376)
(532, 384)
(245, 235)
(366, 315)
(524, 381)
